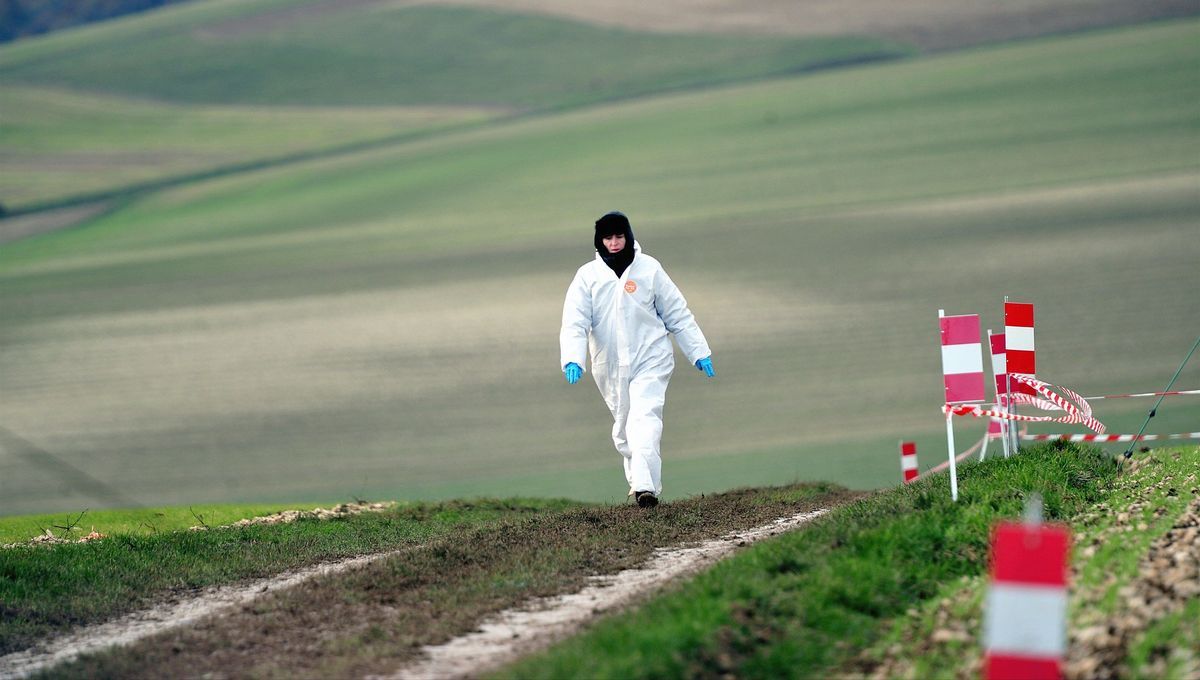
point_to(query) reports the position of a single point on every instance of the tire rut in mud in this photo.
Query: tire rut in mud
(377, 618)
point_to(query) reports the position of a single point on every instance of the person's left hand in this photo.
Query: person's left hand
(573, 372)
(705, 365)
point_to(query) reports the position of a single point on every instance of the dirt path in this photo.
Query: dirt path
(133, 627)
(502, 639)
(516, 632)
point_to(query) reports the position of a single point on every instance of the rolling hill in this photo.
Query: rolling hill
(384, 322)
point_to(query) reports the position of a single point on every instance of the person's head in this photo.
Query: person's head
(613, 234)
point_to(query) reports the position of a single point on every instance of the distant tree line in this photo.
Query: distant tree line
(19, 18)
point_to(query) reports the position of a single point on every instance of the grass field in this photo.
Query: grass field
(378, 54)
(930, 24)
(96, 109)
(384, 324)
(59, 143)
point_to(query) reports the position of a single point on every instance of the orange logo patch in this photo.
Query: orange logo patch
(630, 287)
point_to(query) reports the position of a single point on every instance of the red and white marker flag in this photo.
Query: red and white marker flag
(962, 373)
(962, 359)
(1025, 628)
(1000, 374)
(999, 363)
(908, 461)
(1019, 353)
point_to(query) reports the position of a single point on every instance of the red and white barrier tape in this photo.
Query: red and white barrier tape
(1075, 406)
(1174, 393)
(1107, 437)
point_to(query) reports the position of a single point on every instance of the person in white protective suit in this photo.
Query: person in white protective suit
(621, 309)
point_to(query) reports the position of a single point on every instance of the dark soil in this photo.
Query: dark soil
(376, 619)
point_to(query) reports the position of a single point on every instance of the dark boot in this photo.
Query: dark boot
(646, 499)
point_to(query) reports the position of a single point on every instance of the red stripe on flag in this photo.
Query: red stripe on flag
(960, 330)
(1018, 314)
(997, 343)
(1021, 361)
(1002, 384)
(964, 387)
(908, 449)
(1030, 555)
(909, 476)
(1022, 668)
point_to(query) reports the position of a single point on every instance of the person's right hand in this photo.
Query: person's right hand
(573, 372)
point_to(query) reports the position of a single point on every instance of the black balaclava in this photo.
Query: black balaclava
(611, 223)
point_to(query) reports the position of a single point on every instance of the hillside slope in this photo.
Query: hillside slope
(376, 54)
(890, 582)
(332, 328)
(218, 85)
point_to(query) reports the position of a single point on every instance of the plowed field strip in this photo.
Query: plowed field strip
(378, 618)
(535, 626)
(164, 617)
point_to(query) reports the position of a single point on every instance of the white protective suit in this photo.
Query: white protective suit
(625, 323)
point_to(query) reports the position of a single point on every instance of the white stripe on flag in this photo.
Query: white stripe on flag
(1025, 620)
(999, 364)
(908, 462)
(966, 358)
(1018, 337)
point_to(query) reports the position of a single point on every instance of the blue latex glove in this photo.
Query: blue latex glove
(705, 365)
(573, 372)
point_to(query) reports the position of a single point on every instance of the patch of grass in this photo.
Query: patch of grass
(48, 589)
(1116, 535)
(1170, 648)
(942, 637)
(139, 521)
(803, 604)
(374, 619)
(57, 143)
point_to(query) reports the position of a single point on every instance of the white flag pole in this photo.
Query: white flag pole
(1012, 407)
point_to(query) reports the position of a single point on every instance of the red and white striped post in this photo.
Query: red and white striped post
(908, 461)
(1020, 355)
(1025, 624)
(962, 372)
(1000, 372)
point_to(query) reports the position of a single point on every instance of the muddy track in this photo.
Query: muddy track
(517, 632)
(328, 618)
(166, 616)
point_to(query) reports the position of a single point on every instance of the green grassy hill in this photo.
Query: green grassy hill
(373, 54)
(214, 84)
(385, 323)
(60, 144)
(888, 584)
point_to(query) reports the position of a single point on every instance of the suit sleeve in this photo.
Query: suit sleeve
(673, 310)
(576, 323)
